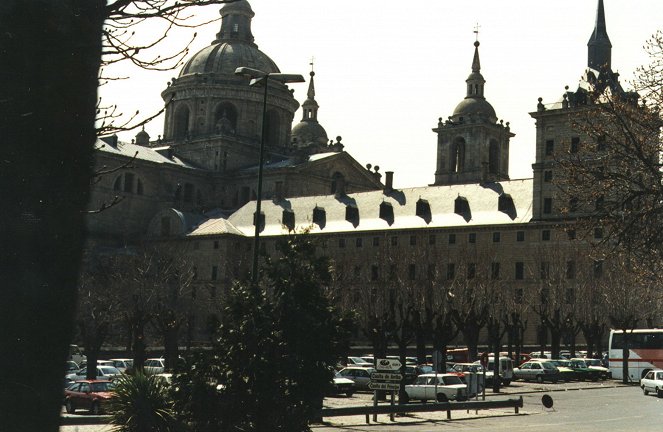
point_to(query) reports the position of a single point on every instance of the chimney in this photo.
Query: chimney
(389, 181)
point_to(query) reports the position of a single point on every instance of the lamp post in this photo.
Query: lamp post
(259, 77)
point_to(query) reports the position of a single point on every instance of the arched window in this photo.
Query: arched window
(225, 119)
(494, 157)
(117, 186)
(272, 128)
(181, 122)
(458, 155)
(139, 187)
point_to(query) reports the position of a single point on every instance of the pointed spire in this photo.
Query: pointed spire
(311, 87)
(475, 81)
(236, 22)
(310, 106)
(599, 46)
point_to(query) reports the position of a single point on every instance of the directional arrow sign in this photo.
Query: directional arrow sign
(385, 376)
(383, 386)
(388, 364)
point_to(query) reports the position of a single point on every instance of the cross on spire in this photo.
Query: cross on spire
(476, 31)
(312, 61)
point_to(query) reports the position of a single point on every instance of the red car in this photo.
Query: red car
(92, 395)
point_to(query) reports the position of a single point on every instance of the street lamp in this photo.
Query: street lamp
(259, 77)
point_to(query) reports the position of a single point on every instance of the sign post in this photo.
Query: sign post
(385, 379)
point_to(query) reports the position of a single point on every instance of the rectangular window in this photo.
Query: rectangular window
(570, 269)
(519, 295)
(545, 235)
(432, 272)
(550, 147)
(520, 236)
(494, 270)
(600, 143)
(451, 271)
(598, 269)
(571, 234)
(413, 240)
(393, 269)
(520, 270)
(215, 272)
(359, 242)
(547, 176)
(472, 238)
(394, 241)
(471, 270)
(545, 270)
(452, 238)
(357, 272)
(600, 201)
(496, 237)
(375, 273)
(376, 241)
(216, 244)
(547, 205)
(412, 271)
(598, 233)
(570, 296)
(431, 239)
(575, 145)
(341, 243)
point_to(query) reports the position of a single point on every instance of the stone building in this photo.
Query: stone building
(195, 186)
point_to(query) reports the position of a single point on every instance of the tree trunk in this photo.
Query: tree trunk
(171, 348)
(50, 57)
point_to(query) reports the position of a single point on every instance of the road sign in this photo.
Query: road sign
(385, 376)
(388, 364)
(383, 386)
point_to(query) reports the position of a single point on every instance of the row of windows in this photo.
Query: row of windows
(450, 272)
(432, 239)
(574, 147)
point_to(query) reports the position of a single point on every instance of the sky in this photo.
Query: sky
(387, 70)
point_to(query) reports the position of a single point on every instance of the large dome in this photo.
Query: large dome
(225, 57)
(475, 106)
(307, 132)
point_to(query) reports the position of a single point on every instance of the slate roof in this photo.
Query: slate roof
(144, 153)
(289, 163)
(412, 208)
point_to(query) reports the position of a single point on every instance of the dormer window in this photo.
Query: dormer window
(288, 219)
(387, 212)
(352, 215)
(462, 208)
(261, 221)
(423, 210)
(319, 217)
(505, 205)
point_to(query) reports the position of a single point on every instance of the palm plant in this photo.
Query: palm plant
(141, 404)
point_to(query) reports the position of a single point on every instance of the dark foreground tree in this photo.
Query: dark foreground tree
(276, 347)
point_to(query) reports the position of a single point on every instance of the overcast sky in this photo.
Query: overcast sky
(386, 70)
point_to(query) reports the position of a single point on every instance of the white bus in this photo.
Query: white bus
(645, 352)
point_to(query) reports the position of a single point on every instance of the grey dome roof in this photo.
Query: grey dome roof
(308, 132)
(225, 57)
(475, 106)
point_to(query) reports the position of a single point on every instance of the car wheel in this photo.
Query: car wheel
(539, 379)
(349, 394)
(507, 382)
(441, 397)
(659, 393)
(69, 406)
(645, 391)
(95, 409)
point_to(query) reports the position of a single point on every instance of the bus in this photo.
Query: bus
(645, 352)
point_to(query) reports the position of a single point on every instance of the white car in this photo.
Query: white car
(653, 382)
(103, 372)
(122, 364)
(154, 366)
(596, 364)
(436, 387)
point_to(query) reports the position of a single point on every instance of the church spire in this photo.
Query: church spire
(475, 81)
(310, 106)
(599, 47)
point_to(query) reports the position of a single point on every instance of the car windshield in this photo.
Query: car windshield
(109, 370)
(451, 380)
(101, 387)
(593, 362)
(578, 364)
(547, 365)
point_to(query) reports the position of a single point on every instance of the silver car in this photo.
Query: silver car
(537, 370)
(360, 375)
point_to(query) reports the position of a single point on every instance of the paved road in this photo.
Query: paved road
(587, 407)
(589, 410)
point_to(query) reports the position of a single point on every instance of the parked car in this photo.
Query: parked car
(584, 372)
(361, 376)
(154, 366)
(437, 387)
(474, 385)
(71, 367)
(596, 364)
(92, 395)
(123, 364)
(537, 370)
(76, 355)
(103, 372)
(368, 359)
(505, 370)
(653, 382)
(566, 372)
(342, 385)
(358, 361)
